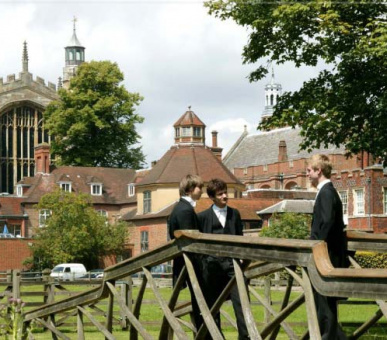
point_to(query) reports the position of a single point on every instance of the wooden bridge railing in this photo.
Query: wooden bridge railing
(267, 255)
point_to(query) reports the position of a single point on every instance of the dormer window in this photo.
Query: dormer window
(131, 190)
(65, 186)
(96, 189)
(177, 130)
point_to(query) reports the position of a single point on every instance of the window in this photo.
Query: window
(186, 131)
(19, 190)
(103, 213)
(147, 202)
(344, 201)
(44, 215)
(96, 189)
(291, 164)
(177, 132)
(358, 202)
(385, 200)
(65, 186)
(197, 131)
(144, 241)
(131, 190)
(265, 167)
(245, 171)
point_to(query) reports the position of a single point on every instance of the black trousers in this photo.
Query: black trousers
(217, 272)
(326, 307)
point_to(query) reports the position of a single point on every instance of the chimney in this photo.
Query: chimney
(282, 152)
(214, 139)
(214, 148)
(42, 159)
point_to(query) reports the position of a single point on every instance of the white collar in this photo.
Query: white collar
(190, 200)
(217, 209)
(321, 184)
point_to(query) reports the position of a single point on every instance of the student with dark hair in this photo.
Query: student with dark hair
(217, 271)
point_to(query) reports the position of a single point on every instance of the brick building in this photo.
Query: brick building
(270, 163)
(158, 192)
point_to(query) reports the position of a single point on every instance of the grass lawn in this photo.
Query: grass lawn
(151, 315)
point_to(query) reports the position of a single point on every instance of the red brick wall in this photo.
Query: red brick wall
(13, 253)
(157, 234)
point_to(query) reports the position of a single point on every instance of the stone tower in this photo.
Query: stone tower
(22, 103)
(74, 55)
(272, 92)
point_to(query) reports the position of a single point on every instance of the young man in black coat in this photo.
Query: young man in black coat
(183, 217)
(217, 271)
(327, 225)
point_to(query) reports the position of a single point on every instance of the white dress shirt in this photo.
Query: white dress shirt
(221, 214)
(190, 200)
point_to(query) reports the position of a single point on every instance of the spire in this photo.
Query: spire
(272, 92)
(74, 56)
(25, 57)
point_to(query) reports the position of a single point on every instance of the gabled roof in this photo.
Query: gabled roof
(10, 206)
(189, 118)
(293, 206)
(114, 183)
(183, 160)
(262, 148)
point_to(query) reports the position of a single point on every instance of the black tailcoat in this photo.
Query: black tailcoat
(328, 225)
(217, 271)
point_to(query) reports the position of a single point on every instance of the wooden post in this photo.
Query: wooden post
(80, 328)
(126, 296)
(109, 314)
(267, 294)
(16, 284)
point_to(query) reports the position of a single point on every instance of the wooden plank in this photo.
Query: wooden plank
(206, 314)
(109, 314)
(97, 324)
(245, 302)
(278, 318)
(80, 326)
(133, 334)
(177, 329)
(164, 329)
(126, 311)
(53, 329)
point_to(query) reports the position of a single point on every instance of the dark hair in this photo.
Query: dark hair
(215, 185)
(189, 183)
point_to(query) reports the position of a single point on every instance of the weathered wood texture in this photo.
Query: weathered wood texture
(268, 255)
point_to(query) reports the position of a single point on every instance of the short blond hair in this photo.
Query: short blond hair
(189, 183)
(322, 162)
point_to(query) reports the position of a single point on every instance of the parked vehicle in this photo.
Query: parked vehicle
(161, 271)
(68, 271)
(93, 274)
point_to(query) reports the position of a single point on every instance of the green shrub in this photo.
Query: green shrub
(288, 225)
(371, 259)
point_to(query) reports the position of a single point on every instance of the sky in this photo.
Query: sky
(171, 52)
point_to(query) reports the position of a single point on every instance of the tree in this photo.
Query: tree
(346, 103)
(288, 225)
(93, 122)
(75, 232)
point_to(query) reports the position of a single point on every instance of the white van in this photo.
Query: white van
(68, 271)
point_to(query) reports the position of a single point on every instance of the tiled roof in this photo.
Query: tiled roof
(246, 207)
(188, 119)
(182, 160)
(10, 206)
(262, 148)
(114, 183)
(293, 206)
